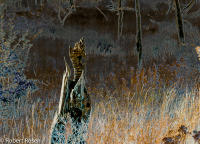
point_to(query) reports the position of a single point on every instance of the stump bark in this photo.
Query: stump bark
(74, 104)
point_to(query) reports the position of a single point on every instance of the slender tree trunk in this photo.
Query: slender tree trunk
(120, 19)
(138, 32)
(179, 21)
(71, 3)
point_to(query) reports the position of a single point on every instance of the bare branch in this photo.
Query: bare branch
(102, 13)
(70, 11)
(171, 5)
(59, 17)
(188, 7)
(64, 19)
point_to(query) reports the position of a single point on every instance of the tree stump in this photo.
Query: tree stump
(74, 102)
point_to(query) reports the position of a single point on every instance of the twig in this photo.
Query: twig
(62, 21)
(170, 6)
(102, 13)
(188, 6)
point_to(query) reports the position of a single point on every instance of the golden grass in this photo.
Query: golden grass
(142, 109)
(113, 122)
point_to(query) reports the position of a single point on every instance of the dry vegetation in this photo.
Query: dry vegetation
(128, 106)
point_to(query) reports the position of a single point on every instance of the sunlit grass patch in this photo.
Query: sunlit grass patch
(114, 121)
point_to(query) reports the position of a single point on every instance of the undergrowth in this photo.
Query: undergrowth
(128, 106)
(144, 109)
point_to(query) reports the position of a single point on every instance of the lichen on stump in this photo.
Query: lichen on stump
(74, 102)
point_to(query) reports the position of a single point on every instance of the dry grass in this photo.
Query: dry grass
(142, 113)
(139, 107)
(128, 106)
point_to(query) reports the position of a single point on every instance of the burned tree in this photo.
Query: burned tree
(138, 32)
(74, 101)
(179, 16)
(179, 21)
(120, 14)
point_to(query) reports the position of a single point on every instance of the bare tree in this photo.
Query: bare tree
(66, 8)
(179, 16)
(138, 32)
(120, 14)
(119, 9)
(179, 21)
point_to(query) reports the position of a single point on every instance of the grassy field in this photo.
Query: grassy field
(128, 106)
(160, 102)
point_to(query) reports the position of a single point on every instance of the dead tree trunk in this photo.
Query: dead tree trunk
(179, 21)
(138, 32)
(120, 14)
(74, 103)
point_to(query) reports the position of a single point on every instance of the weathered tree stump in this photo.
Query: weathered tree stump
(74, 102)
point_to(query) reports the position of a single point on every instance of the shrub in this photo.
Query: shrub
(14, 50)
